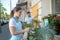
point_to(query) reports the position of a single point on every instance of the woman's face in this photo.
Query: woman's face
(18, 13)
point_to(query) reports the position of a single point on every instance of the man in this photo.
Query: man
(29, 18)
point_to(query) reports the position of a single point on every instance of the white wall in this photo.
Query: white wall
(45, 7)
(39, 11)
(33, 2)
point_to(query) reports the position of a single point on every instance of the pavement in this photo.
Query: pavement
(5, 35)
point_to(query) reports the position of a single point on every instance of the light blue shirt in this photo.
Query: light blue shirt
(18, 27)
(29, 19)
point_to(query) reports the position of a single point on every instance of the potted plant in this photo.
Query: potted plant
(42, 33)
(54, 22)
(50, 18)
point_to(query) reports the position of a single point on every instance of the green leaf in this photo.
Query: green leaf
(27, 25)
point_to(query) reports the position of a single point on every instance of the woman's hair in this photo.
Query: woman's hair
(12, 14)
(15, 9)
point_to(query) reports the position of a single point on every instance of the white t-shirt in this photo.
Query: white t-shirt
(29, 19)
(17, 25)
(18, 28)
(12, 23)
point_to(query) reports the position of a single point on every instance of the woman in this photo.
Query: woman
(15, 26)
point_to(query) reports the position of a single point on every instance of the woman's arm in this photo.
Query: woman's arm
(14, 32)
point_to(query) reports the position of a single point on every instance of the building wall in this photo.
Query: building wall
(35, 10)
(34, 2)
(41, 7)
(20, 1)
(34, 7)
(46, 7)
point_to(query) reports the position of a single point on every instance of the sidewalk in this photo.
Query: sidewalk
(5, 35)
(57, 37)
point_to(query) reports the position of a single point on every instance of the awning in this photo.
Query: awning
(21, 4)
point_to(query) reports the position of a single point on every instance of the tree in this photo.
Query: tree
(6, 16)
(2, 10)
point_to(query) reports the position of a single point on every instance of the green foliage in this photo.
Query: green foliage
(45, 34)
(35, 21)
(45, 17)
(4, 15)
(42, 34)
(27, 25)
(2, 9)
(56, 23)
(52, 22)
(49, 17)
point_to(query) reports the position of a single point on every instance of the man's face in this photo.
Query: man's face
(29, 14)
